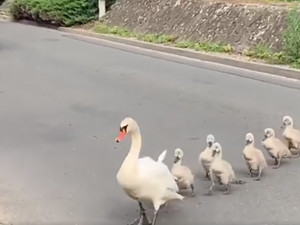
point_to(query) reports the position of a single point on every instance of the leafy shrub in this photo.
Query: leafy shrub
(292, 37)
(57, 12)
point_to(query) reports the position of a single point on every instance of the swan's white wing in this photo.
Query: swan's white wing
(150, 170)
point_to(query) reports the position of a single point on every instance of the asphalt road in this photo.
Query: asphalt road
(61, 102)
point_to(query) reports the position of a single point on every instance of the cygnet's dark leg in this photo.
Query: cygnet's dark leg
(210, 189)
(193, 190)
(227, 192)
(207, 177)
(142, 220)
(278, 163)
(259, 174)
(155, 216)
(250, 171)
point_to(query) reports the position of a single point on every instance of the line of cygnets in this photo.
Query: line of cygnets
(145, 179)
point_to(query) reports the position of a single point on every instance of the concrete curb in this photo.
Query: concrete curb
(254, 66)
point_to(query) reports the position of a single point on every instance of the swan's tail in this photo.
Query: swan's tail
(162, 156)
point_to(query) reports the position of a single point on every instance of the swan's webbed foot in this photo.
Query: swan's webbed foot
(143, 219)
(154, 217)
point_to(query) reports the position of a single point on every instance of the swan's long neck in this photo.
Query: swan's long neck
(135, 148)
(128, 172)
(129, 164)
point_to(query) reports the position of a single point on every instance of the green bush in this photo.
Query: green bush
(292, 37)
(57, 12)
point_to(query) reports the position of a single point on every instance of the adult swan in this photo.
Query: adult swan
(144, 179)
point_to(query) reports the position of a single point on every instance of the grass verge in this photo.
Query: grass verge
(162, 39)
(291, 45)
(258, 52)
(263, 53)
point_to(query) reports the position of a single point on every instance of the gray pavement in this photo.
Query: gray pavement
(61, 102)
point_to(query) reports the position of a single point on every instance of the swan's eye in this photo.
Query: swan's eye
(124, 128)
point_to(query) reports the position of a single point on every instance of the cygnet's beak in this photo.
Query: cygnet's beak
(176, 159)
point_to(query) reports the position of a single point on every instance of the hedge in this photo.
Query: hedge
(56, 12)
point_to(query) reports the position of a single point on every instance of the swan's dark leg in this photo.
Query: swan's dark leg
(155, 216)
(142, 220)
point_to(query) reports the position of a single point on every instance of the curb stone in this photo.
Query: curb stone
(254, 66)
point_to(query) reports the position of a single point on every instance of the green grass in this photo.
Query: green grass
(104, 29)
(205, 46)
(263, 53)
(163, 39)
(291, 45)
(280, 1)
(258, 51)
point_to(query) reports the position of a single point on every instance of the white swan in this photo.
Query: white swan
(144, 179)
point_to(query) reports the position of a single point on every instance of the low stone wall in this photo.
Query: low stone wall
(241, 25)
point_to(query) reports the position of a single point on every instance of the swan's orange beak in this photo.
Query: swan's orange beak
(121, 135)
